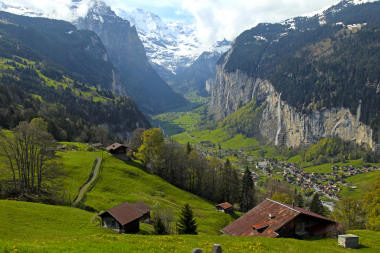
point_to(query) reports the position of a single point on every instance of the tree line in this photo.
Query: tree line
(29, 155)
(186, 168)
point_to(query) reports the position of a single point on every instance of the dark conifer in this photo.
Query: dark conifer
(187, 223)
(159, 226)
(247, 198)
(316, 205)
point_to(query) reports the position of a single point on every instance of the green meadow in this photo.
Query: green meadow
(121, 181)
(362, 184)
(32, 227)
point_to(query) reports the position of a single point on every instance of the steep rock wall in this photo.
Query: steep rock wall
(280, 123)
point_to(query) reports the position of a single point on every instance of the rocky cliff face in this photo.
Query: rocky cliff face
(312, 78)
(280, 123)
(127, 53)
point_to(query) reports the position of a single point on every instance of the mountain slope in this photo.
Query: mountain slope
(62, 44)
(170, 47)
(127, 52)
(316, 76)
(198, 76)
(34, 84)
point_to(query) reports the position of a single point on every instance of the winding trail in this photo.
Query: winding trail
(85, 187)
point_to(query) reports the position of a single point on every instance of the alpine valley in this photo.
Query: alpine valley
(124, 131)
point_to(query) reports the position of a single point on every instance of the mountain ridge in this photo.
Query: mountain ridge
(300, 61)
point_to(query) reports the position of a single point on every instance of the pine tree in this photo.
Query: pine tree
(316, 205)
(188, 148)
(159, 226)
(298, 199)
(247, 198)
(187, 223)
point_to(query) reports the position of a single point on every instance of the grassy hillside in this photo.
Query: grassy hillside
(363, 183)
(77, 166)
(120, 181)
(30, 227)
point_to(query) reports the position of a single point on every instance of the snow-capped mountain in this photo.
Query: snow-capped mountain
(170, 45)
(323, 13)
(197, 76)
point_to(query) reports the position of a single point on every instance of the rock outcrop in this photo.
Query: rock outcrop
(281, 123)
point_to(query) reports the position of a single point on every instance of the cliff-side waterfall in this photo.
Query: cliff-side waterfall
(253, 90)
(279, 119)
(358, 111)
(227, 100)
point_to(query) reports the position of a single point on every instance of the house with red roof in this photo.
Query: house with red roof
(225, 207)
(274, 219)
(125, 218)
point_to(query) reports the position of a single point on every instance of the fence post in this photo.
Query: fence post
(217, 248)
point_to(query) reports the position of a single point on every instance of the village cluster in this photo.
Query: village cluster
(326, 184)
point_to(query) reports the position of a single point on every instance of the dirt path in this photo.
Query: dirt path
(85, 187)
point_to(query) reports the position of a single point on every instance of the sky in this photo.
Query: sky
(219, 19)
(214, 19)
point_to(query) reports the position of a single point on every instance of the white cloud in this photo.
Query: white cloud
(215, 19)
(218, 19)
(55, 9)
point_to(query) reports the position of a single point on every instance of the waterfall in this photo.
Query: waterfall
(358, 111)
(279, 119)
(228, 97)
(254, 90)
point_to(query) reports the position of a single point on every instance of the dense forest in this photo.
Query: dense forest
(73, 110)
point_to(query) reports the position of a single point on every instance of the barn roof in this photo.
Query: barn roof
(142, 207)
(115, 146)
(269, 214)
(124, 213)
(224, 205)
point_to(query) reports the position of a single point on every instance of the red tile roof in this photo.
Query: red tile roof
(125, 213)
(259, 217)
(115, 146)
(225, 205)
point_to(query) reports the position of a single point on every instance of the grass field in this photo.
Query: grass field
(217, 136)
(363, 182)
(40, 229)
(77, 166)
(120, 182)
(327, 167)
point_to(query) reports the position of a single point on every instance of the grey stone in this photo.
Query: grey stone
(217, 248)
(348, 241)
(233, 90)
(197, 250)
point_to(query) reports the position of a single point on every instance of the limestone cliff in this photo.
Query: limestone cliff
(310, 78)
(281, 123)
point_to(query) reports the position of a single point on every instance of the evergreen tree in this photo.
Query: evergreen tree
(247, 199)
(298, 199)
(188, 148)
(159, 226)
(316, 205)
(187, 223)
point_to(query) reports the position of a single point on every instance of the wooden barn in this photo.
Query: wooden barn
(124, 218)
(225, 207)
(273, 219)
(117, 148)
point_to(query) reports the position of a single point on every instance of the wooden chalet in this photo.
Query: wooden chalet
(125, 218)
(117, 148)
(274, 219)
(225, 207)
